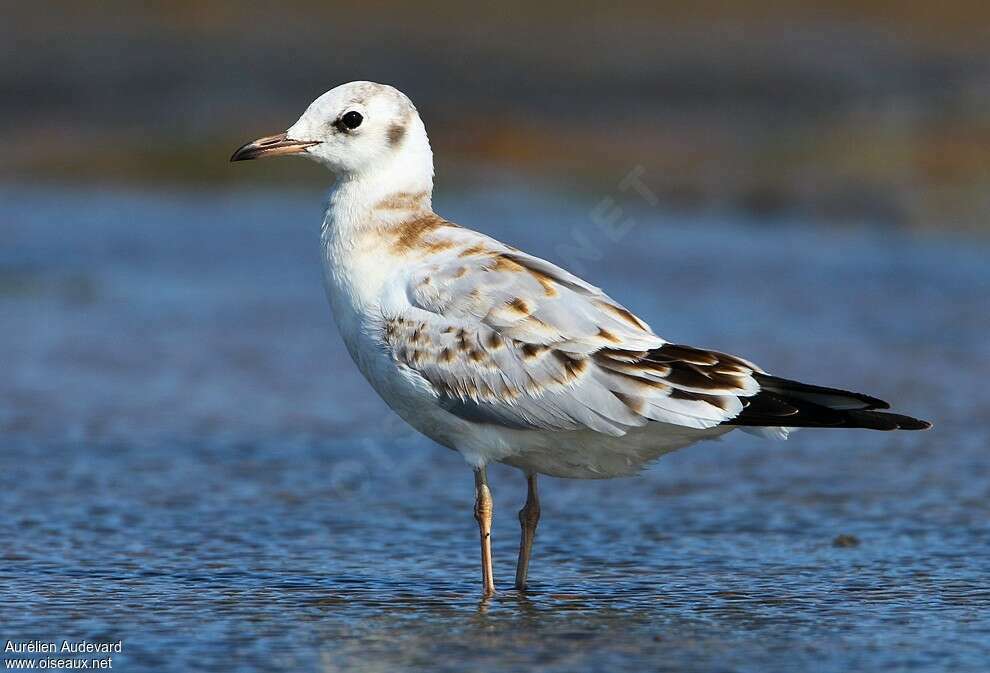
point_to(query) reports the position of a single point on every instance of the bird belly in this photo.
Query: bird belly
(586, 454)
(576, 454)
(573, 454)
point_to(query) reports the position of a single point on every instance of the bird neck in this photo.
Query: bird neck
(393, 192)
(363, 214)
(406, 167)
(356, 197)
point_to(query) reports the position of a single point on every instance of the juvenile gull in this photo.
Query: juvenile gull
(503, 356)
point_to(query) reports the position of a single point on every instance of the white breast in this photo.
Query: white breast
(364, 282)
(360, 284)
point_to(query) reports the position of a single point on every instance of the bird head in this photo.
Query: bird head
(356, 130)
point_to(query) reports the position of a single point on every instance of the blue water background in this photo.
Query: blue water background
(190, 463)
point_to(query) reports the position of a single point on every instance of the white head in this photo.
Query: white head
(363, 132)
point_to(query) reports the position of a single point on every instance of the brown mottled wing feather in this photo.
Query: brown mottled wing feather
(506, 338)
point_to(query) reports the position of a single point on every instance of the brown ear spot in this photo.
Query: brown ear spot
(396, 132)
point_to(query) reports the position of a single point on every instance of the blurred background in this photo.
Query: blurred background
(872, 112)
(190, 462)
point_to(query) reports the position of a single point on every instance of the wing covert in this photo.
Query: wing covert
(507, 338)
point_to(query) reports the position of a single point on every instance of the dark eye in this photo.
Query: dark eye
(352, 119)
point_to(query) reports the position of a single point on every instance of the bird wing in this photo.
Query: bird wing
(506, 338)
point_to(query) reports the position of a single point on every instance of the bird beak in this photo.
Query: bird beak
(271, 146)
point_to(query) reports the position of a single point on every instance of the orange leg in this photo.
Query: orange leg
(529, 517)
(483, 509)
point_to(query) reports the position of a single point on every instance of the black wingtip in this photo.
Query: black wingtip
(893, 421)
(833, 398)
(913, 424)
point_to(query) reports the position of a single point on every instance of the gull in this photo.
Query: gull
(503, 356)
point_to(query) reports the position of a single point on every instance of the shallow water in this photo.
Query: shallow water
(191, 464)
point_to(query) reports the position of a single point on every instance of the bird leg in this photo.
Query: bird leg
(529, 517)
(483, 508)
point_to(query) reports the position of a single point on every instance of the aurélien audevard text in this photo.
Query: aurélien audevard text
(62, 647)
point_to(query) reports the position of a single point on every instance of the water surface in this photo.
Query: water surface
(191, 464)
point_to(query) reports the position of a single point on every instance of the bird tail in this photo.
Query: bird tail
(791, 404)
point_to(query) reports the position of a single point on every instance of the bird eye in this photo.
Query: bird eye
(352, 119)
